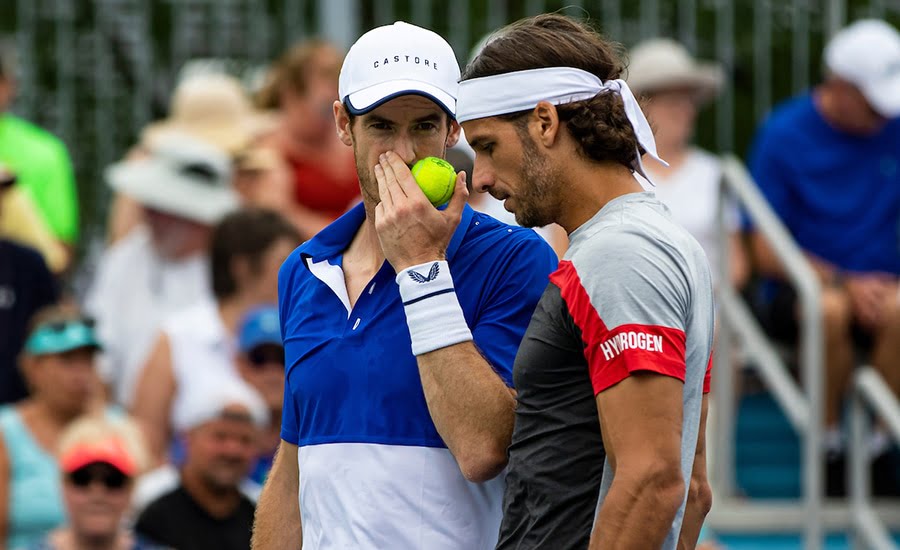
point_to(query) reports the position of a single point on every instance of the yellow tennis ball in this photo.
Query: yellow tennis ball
(436, 178)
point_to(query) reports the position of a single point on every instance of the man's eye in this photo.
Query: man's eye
(427, 126)
(380, 126)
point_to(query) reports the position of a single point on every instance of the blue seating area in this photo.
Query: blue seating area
(768, 466)
(767, 450)
(783, 542)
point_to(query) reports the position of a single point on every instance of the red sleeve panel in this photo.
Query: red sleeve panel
(612, 355)
(707, 379)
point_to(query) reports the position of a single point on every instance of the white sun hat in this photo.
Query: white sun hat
(183, 176)
(662, 64)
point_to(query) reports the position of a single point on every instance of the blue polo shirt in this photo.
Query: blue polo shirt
(374, 472)
(838, 194)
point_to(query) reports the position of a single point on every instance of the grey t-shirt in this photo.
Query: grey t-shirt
(633, 293)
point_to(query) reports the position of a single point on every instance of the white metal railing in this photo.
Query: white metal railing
(869, 391)
(802, 404)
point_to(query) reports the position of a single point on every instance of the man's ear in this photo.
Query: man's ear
(544, 124)
(453, 135)
(342, 123)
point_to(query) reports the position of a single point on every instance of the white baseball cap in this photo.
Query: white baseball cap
(211, 401)
(867, 54)
(396, 60)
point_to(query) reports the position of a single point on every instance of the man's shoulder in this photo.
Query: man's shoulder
(134, 245)
(493, 251)
(635, 241)
(170, 504)
(791, 116)
(489, 235)
(32, 138)
(23, 257)
(295, 260)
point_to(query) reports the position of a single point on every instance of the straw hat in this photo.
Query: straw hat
(662, 64)
(213, 108)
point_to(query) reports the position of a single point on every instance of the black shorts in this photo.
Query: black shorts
(780, 318)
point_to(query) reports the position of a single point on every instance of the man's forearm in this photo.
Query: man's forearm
(698, 505)
(637, 515)
(700, 498)
(472, 408)
(276, 525)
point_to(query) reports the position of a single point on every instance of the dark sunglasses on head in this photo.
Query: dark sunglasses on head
(108, 476)
(266, 355)
(7, 180)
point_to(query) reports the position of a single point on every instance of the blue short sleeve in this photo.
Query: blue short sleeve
(511, 302)
(289, 417)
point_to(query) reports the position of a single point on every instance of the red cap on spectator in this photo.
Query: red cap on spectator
(109, 451)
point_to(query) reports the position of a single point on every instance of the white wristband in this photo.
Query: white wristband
(433, 313)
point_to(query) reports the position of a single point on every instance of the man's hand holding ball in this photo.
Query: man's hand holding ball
(411, 230)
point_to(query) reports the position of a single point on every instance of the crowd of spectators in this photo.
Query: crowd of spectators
(156, 397)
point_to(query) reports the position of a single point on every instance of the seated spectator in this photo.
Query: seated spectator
(260, 361)
(828, 163)
(303, 88)
(100, 459)
(213, 108)
(196, 346)
(26, 285)
(21, 223)
(674, 86)
(162, 266)
(207, 510)
(41, 162)
(263, 180)
(58, 364)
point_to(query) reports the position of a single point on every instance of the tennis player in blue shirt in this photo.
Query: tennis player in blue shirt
(400, 325)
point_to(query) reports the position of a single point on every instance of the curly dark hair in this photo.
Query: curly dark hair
(599, 124)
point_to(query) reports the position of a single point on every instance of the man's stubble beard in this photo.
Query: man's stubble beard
(368, 186)
(536, 204)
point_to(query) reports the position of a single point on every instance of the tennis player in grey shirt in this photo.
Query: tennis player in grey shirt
(608, 449)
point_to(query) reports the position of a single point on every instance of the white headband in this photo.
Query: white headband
(522, 90)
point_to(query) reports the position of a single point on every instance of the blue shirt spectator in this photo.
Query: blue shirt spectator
(829, 164)
(837, 193)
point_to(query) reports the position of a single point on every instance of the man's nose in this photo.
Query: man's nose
(482, 177)
(405, 149)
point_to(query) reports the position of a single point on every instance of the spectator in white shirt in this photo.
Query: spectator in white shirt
(673, 87)
(184, 188)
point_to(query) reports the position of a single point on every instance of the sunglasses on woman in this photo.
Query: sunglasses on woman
(107, 476)
(60, 326)
(261, 356)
